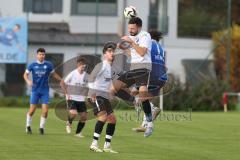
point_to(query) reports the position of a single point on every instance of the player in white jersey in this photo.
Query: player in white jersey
(74, 88)
(140, 42)
(100, 82)
(158, 76)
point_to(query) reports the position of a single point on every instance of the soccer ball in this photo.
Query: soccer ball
(130, 12)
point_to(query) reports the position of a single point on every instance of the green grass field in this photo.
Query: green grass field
(207, 136)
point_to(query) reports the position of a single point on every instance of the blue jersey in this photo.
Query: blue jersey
(40, 75)
(158, 62)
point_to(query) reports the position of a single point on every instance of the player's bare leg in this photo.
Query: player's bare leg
(120, 90)
(72, 114)
(43, 118)
(30, 113)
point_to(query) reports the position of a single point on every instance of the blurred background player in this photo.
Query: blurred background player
(9, 37)
(41, 71)
(158, 75)
(100, 82)
(73, 85)
(139, 73)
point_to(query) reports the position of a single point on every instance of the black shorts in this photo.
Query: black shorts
(140, 77)
(101, 104)
(80, 106)
(155, 86)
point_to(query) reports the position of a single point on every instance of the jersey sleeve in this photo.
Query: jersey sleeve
(29, 68)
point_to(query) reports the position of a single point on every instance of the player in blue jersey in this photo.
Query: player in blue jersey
(41, 71)
(158, 75)
(9, 37)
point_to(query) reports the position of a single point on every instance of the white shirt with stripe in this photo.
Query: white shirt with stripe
(77, 80)
(100, 80)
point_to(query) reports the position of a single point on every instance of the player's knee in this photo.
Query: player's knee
(117, 85)
(102, 117)
(73, 113)
(113, 90)
(83, 118)
(143, 89)
(112, 118)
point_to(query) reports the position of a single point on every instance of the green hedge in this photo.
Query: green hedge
(207, 96)
(21, 102)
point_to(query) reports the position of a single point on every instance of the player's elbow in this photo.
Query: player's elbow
(142, 53)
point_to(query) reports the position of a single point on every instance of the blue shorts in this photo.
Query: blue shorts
(37, 97)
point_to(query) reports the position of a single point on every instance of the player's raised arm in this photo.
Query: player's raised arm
(140, 50)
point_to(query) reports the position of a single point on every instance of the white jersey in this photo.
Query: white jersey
(75, 81)
(100, 80)
(143, 39)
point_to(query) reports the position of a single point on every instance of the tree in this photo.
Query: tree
(220, 41)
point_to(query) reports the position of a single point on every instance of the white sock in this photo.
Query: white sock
(144, 123)
(42, 122)
(107, 144)
(28, 120)
(149, 124)
(95, 142)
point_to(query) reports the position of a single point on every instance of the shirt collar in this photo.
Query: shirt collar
(106, 62)
(40, 62)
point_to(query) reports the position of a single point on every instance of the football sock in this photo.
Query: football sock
(98, 130)
(42, 122)
(80, 127)
(70, 119)
(109, 133)
(147, 110)
(28, 120)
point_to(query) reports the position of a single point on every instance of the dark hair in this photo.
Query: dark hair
(109, 44)
(156, 35)
(135, 20)
(81, 60)
(41, 50)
